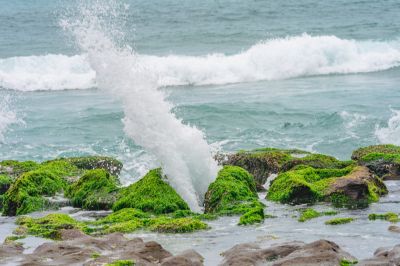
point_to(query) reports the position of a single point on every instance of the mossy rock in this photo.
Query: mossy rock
(49, 226)
(233, 193)
(389, 216)
(121, 263)
(310, 213)
(95, 190)
(383, 160)
(177, 225)
(5, 183)
(27, 193)
(113, 166)
(13, 168)
(351, 187)
(261, 163)
(150, 194)
(337, 221)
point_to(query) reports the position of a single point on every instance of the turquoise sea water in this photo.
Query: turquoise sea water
(322, 76)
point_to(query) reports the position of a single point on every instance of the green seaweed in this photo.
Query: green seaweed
(150, 194)
(389, 216)
(338, 221)
(121, 263)
(95, 190)
(310, 213)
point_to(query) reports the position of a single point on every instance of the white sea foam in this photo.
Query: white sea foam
(272, 59)
(181, 149)
(7, 116)
(48, 72)
(391, 133)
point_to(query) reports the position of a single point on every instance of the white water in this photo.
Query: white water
(272, 59)
(181, 149)
(391, 133)
(7, 117)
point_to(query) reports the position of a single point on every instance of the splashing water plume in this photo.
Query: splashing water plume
(181, 149)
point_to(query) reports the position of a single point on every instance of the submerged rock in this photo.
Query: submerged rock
(261, 163)
(150, 194)
(394, 229)
(234, 192)
(383, 160)
(383, 257)
(351, 187)
(95, 190)
(321, 252)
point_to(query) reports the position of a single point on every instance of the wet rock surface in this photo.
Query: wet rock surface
(321, 252)
(76, 248)
(383, 257)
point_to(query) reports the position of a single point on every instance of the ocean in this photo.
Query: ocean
(321, 76)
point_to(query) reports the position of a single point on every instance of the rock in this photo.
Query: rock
(318, 253)
(261, 163)
(95, 190)
(394, 229)
(383, 160)
(186, 258)
(79, 249)
(383, 257)
(10, 249)
(150, 194)
(351, 187)
(234, 192)
(321, 252)
(14, 169)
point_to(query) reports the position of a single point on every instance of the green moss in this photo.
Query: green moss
(179, 225)
(389, 216)
(49, 226)
(123, 227)
(95, 190)
(95, 255)
(306, 185)
(5, 183)
(345, 262)
(309, 214)
(318, 161)
(14, 238)
(121, 263)
(337, 221)
(150, 194)
(109, 164)
(26, 194)
(375, 150)
(16, 168)
(233, 192)
(255, 215)
(123, 215)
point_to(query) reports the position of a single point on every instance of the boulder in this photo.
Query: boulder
(383, 160)
(261, 163)
(232, 193)
(383, 257)
(351, 187)
(321, 252)
(186, 258)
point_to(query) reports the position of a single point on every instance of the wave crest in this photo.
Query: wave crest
(273, 59)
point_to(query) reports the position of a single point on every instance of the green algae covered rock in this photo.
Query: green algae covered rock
(389, 216)
(310, 213)
(27, 193)
(49, 226)
(176, 225)
(14, 169)
(234, 192)
(5, 183)
(121, 263)
(150, 194)
(351, 187)
(337, 221)
(261, 163)
(383, 160)
(95, 190)
(113, 166)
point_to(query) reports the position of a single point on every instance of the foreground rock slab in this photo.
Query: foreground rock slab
(76, 248)
(321, 252)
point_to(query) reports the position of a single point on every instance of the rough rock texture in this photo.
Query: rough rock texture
(383, 257)
(351, 187)
(261, 163)
(321, 252)
(77, 248)
(383, 160)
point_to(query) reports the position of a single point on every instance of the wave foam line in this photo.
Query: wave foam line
(391, 133)
(273, 59)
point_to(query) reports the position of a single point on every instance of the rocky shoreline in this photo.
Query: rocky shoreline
(151, 205)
